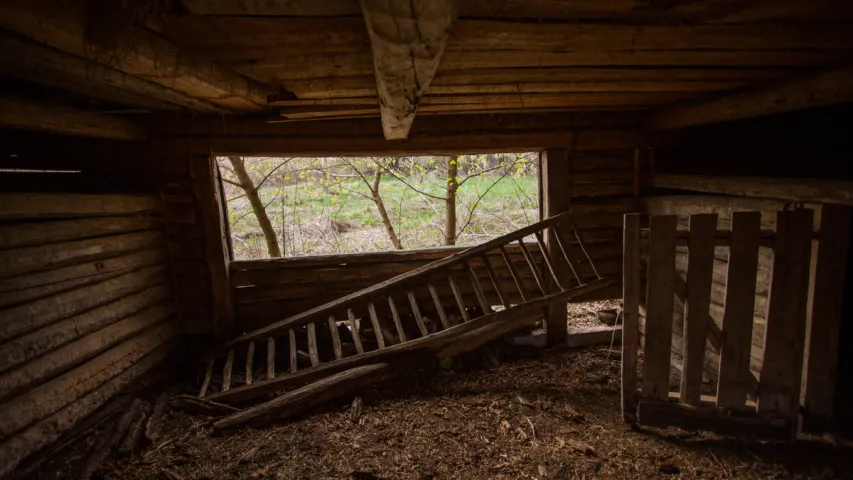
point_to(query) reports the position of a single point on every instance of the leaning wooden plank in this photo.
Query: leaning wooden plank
(205, 384)
(630, 316)
(317, 393)
(377, 328)
(202, 406)
(826, 296)
(700, 269)
(27, 347)
(78, 351)
(14, 449)
(336, 338)
(46, 205)
(250, 357)
(719, 420)
(21, 319)
(312, 345)
(33, 234)
(30, 287)
(659, 307)
(395, 316)
(784, 334)
(30, 259)
(421, 346)
(734, 379)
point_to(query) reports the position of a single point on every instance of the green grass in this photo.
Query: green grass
(417, 218)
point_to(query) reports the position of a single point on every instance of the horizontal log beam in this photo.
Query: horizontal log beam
(33, 115)
(824, 88)
(791, 189)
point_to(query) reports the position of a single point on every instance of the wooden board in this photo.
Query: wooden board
(784, 335)
(736, 341)
(659, 307)
(630, 315)
(826, 296)
(700, 269)
(554, 171)
(663, 414)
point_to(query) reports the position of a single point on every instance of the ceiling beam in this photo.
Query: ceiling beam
(133, 50)
(47, 66)
(32, 115)
(791, 189)
(815, 90)
(407, 38)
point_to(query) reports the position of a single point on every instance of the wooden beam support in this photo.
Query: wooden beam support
(792, 189)
(556, 197)
(32, 115)
(407, 38)
(74, 28)
(824, 88)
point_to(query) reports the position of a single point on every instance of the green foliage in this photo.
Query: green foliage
(325, 204)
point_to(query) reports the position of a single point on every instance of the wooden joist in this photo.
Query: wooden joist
(35, 115)
(407, 39)
(792, 189)
(823, 88)
(72, 28)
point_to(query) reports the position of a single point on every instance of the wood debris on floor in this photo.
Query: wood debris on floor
(533, 418)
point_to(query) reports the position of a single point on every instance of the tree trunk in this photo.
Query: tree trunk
(450, 201)
(248, 186)
(380, 205)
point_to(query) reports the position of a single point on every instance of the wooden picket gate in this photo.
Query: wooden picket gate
(744, 402)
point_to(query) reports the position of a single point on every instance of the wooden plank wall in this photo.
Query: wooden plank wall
(723, 206)
(87, 309)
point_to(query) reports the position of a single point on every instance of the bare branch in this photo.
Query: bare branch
(273, 171)
(480, 198)
(412, 187)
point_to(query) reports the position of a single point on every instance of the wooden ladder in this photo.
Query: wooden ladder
(491, 296)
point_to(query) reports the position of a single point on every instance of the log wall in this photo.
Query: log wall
(87, 308)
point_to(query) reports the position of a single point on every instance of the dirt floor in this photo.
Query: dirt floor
(555, 415)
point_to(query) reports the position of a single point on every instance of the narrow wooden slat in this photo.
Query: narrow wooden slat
(659, 307)
(416, 311)
(250, 357)
(700, 269)
(736, 341)
(336, 338)
(478, 290)
(292, 338)
(547, 259)
(226, 371)
(395, 314)
(784, 333)
(356, 337)
(583, 249)
(457, 294)
(515, 277)
(270, 358)
(312, 345)
(206, 383)
(532, 264)
(630, 315)
(495, 282)
(377, 328)
(826, 296)
(565, 251)
(442, 315)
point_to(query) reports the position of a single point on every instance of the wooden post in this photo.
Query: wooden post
(216, 242)
(630, 314)
(784, 334)
(659, 307)
(556, 198)
(823, 321)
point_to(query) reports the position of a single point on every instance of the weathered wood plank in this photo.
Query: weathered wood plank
(814, 90)
(395, 316)
(659, 307)
(439, 306)
(271, 357)
(554, 173)
(250, 358)
(47, 205)
(700, 269)
(826, 296)
(784, 334)
(377, 328)
(630, 315)
(736, 341)
(34, 234)
(312, 345)
(795, 189)
(460, 299)
(336, 338)
(226, 372)
(208, 374)
(292, 350)
(416, 311)
(356, 332)
(663, 414)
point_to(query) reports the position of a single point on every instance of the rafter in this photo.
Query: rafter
(407, 38)
(824, 88)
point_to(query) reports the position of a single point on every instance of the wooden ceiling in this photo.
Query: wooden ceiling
(305, 60)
